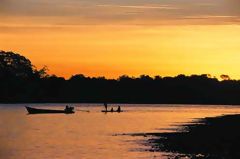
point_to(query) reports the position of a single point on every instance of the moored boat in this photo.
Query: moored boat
(49, 111)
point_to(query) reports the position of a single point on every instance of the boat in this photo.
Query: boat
(49, 111)
(109, 111)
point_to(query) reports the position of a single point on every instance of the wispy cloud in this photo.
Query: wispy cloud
(99, 12)
(167, 7)
(210, 17)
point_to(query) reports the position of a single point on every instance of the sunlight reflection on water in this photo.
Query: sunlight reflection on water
(94, 134)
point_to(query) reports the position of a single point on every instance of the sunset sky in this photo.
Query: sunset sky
(112, 37)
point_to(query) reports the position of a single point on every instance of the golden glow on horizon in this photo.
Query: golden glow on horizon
(111, 38)
(133, 50)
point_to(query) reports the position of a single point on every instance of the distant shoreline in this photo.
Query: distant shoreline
(21, 82)
(191, 104)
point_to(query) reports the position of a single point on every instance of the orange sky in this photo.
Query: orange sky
(105, 38)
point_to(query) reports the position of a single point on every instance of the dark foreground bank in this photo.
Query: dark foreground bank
(217, 137)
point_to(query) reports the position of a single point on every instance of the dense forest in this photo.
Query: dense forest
(20, 81)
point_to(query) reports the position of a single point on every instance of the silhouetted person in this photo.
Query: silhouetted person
(105, 105)
(69, 109)
(119, 109)
(111, 109)
(66, 108)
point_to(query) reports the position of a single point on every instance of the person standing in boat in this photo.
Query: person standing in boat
(105, 105)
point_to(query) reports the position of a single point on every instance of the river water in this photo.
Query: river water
(92, 135)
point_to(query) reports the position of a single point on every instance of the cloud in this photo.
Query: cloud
(232, 7)
(101, 12)
(167, 7)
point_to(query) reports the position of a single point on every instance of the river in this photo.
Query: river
(92, 135)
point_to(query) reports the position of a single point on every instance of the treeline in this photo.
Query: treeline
(20, 81)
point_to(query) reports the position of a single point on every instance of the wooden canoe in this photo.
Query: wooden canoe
(47, 111)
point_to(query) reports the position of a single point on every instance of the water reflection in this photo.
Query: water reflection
(91, 135)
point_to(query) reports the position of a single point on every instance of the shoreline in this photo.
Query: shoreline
(211, 137)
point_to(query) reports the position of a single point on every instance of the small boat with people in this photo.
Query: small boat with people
(67, 110)
(111, 111)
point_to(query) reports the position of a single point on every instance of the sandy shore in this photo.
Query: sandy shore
(217, 137)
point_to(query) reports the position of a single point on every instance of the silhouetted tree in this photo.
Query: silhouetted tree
(20, 81)
(42, 73)
(225, 77)
(15, 65)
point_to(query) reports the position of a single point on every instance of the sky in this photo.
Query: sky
(133, 37)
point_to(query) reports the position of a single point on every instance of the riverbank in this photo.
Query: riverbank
(217, 137)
